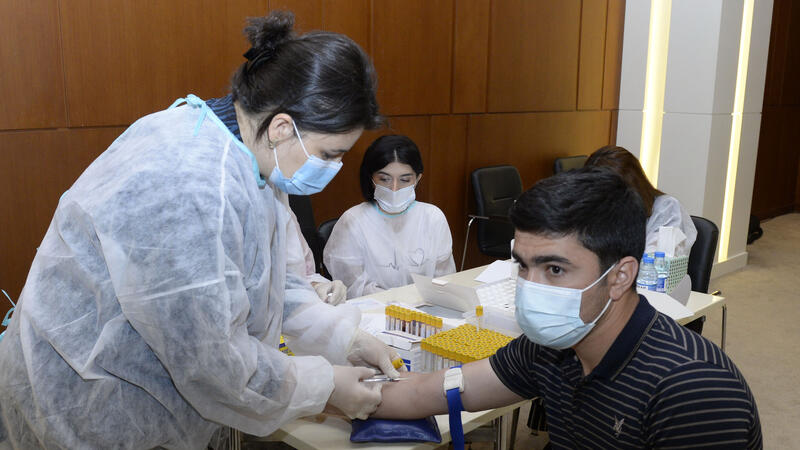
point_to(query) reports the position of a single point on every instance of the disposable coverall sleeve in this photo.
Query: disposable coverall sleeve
(344, 257)
(183, 277)
(313, 327)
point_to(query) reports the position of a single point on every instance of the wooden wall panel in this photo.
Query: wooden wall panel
(532, 141)
(776, 188)
(127, 59)
(350, 17)
(526, 37)
(412, 49)
(38, 166)
(470, 55)
(31, 82)
(776, 178)
(592, 49)
(110, 63)
(791, 87)
(447, 169)
(344, 191)
(307, 13)
(615, 23)
(778, 42)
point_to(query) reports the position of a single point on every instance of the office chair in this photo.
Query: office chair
(496, 188)
(324, 232)
(301, 206)
(701, 259)
(568, 163)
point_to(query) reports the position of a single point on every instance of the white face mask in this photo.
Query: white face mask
(394, 202)
(550, 315)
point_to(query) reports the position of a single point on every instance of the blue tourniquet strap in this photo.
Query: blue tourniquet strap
(455, 407)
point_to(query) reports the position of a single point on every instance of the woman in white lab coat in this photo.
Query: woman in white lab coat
(154, 307)
(377, 244)
(663, 210)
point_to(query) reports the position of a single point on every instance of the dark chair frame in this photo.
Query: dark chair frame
(565, 163)
(491, 218)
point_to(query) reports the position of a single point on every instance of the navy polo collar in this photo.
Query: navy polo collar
(628, 341)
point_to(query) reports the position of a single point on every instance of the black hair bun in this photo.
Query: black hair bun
(266, 34)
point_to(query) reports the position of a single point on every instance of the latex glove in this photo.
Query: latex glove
(355, 399)
(332, 292)
(367, 350)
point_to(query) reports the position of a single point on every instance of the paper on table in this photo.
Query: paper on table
(666, 304)
(498, 270)
(367, 304)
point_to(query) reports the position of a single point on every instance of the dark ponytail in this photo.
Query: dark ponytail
(323, 80)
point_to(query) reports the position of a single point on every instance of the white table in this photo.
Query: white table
(332, 432)
(700, 304)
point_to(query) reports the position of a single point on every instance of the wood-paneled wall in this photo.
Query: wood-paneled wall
(473, 82)
(776, 188)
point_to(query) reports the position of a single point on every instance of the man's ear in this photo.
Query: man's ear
(280, 128)
(623, 276)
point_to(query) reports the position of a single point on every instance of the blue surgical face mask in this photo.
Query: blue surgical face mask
(550, 315)
(310, 178)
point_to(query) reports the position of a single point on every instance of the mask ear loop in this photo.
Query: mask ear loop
(300, 139)
(608, 303)
(598, 280)
(275, 147)
(7, 318)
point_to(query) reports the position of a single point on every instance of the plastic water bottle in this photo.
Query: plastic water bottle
(648, 277)
(660, 264)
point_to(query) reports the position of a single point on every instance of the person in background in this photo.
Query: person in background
(613, 372)
(378, 244)
(152, 314)
(662, 210)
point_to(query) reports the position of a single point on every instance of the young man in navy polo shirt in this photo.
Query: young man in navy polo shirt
(612, 371)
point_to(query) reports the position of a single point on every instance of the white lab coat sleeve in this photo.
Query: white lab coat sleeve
(344, 258)
(445, 264)
(313, 327)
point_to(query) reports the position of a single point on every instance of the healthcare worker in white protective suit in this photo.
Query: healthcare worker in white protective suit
(662, 210)
(379, 243)
(153, 310)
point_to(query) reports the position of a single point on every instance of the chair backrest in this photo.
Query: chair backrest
(569, 163)
(325, 230)
(496, 188)
(701, 257)
(301, 206)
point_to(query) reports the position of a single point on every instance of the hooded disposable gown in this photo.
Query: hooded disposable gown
(154, 307)
(370, 250)
(668, 212)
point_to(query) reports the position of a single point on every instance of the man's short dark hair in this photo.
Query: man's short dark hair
(593, 203)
